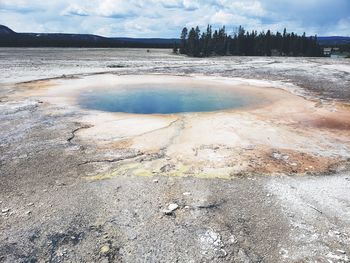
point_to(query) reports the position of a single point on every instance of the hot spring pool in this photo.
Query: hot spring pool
(164, 99)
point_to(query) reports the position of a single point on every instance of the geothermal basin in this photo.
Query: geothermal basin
(155, 94)
(264, 179)
(199, 125)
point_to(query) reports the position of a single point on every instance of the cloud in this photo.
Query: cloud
(343, 27)
(74, 10)
(250, 8)
(188, 5)
(224, 18)
(115, 8)
(17, 6)
(165, 18)
(247, 7)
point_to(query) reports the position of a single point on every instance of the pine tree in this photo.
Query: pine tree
(183, 48)
(207, 38)
(197, 44)
(191, 42)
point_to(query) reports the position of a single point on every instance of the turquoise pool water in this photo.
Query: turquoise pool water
(163, 99)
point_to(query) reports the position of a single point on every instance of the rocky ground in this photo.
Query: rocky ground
(65, 198)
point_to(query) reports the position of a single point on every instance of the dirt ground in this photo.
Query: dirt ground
(266, 184)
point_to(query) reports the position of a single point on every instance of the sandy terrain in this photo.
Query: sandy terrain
(268, 183)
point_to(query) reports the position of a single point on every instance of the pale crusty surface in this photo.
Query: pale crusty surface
(268, 183)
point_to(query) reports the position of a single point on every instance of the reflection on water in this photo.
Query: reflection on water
(163, 99)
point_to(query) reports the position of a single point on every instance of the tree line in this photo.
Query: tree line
(79, 41)
(243, 43)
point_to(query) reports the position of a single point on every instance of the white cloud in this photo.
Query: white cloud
(74, 9)
(343, 27)
(115, 8)
(224, 18)
(188, 5)
(251, 8)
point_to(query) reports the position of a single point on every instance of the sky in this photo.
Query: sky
(166, 18)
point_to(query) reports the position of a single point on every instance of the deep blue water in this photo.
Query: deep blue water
(162, 99)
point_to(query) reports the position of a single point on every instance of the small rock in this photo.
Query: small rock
(105, 249)
(6, 210)
(30, 204)
(222, 253)
(28, 212)
(155, 181)
(171, 209)
(341, 251)
(294, 164)
(285, 157)
(186, 193)
(276, 155)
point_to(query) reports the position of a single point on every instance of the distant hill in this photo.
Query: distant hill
(333, 40)
(10, 38)
(5, 30)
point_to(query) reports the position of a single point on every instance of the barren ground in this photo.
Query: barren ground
(264, 184)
